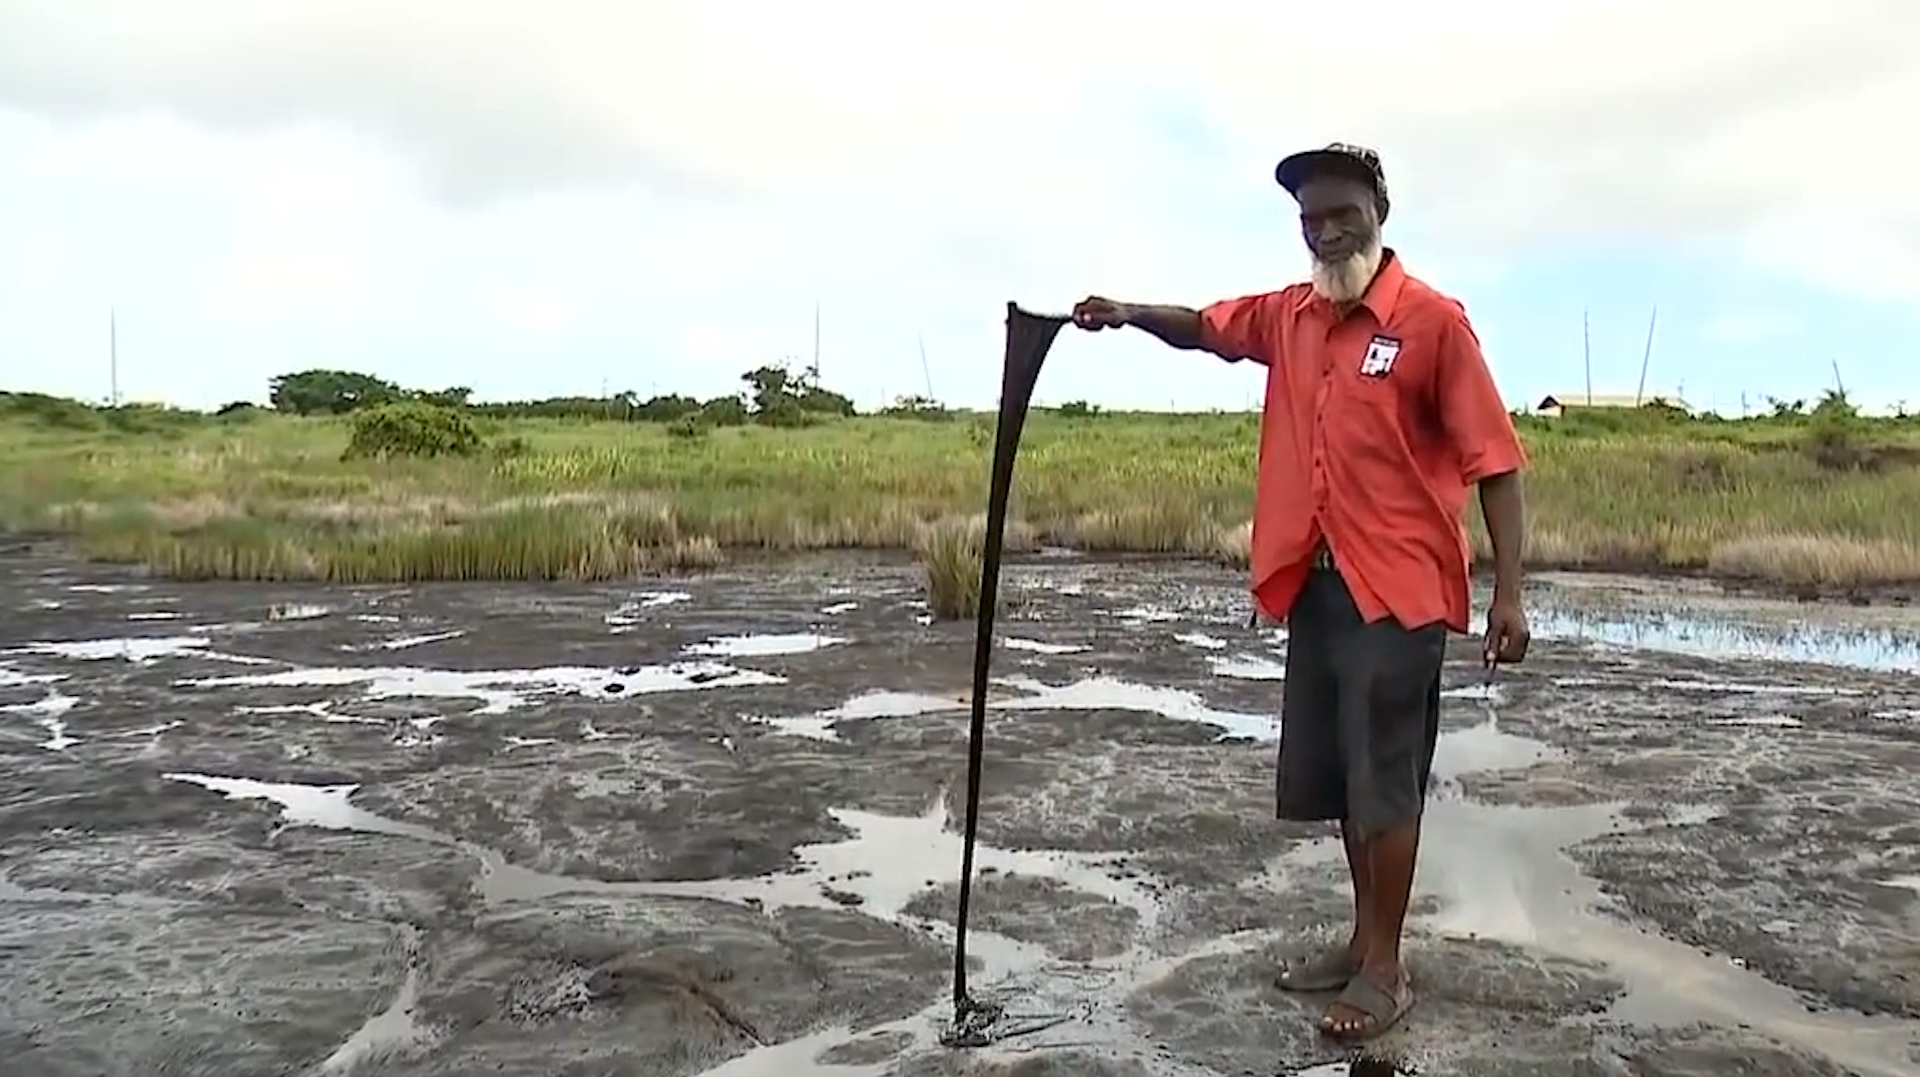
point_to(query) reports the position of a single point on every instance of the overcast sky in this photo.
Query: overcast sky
(542, 198)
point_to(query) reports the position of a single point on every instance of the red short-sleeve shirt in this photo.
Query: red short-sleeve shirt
(1376, 426)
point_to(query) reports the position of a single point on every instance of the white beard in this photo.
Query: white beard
(1345, 280)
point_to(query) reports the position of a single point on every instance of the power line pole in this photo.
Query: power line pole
(816, 343)
(113, 358)
(1586, 352)
(1646, 356)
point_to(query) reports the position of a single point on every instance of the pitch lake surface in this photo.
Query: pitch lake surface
(705, 827)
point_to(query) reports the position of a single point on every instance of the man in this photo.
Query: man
(1380, 414)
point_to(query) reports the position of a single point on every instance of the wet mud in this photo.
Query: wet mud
(702, 827)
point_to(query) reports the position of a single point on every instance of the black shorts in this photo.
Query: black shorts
(1360, 712)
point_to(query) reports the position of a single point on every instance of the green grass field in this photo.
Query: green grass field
(1824, 500)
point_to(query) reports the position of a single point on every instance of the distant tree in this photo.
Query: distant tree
(769, 386)
(818, 401)
(1785, 409)
(724, 411)
(665, 409)
(329, 392)
(782, 397)
(455, 397)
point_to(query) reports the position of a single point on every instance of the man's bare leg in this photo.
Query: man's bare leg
(1389, 866)
(1360, 868)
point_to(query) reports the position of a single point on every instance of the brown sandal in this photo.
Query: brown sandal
(1380, 1009)
(1328, 970)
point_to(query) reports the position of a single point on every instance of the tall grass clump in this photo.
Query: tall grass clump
(952, 554)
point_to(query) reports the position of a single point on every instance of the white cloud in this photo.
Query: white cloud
(946, 157)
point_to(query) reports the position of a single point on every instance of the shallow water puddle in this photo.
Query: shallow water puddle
(13, 678)
(1098, 693)
(1109, 693)
(885, 863)
(819, 726)
(47, 714)
(1862, 648)
(501, 690)
(1147, 613)
(1248, 667)
(763, 645)
(1707, 687)
(144, 650)
(1035, 646)
(319, 711)
(392, 1029)
(402, 643)
(1484, 746)
(798, 1057)
(634, 610)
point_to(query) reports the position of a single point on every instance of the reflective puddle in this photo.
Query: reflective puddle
(1888, 648)
(500, 691)
(763, 645)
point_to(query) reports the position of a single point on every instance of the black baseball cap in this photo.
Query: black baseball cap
(1342, 158)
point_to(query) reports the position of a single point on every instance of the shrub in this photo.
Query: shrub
(724, 411)
(55, 411)
(689, 428)
(784, 413)
(509, 448)
(411, 430)
(924, 408)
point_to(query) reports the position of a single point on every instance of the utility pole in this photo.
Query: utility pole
(113, 359)
(815, 371)
(1646, 357)
(1586, 352)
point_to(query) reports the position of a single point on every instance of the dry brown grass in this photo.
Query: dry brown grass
(952, 552)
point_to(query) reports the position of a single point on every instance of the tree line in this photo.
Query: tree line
(773, 395)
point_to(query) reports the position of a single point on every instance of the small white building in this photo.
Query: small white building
(1561, 403)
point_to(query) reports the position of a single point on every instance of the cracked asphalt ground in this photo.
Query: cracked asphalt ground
(700, 826)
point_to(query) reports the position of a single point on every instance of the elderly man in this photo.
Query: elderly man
(1380, 414)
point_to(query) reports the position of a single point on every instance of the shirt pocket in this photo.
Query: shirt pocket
(1381, 378)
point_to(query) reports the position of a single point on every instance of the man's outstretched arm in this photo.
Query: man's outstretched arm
(1232, 329)
(1177, 327)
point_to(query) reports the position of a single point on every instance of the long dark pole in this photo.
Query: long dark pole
(1029, 336)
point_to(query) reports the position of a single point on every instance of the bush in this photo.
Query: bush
(412, 430)
(724, 411)
(924, 408)
(510, 448)
(55, 411)
(785, 414)
(688, 428)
